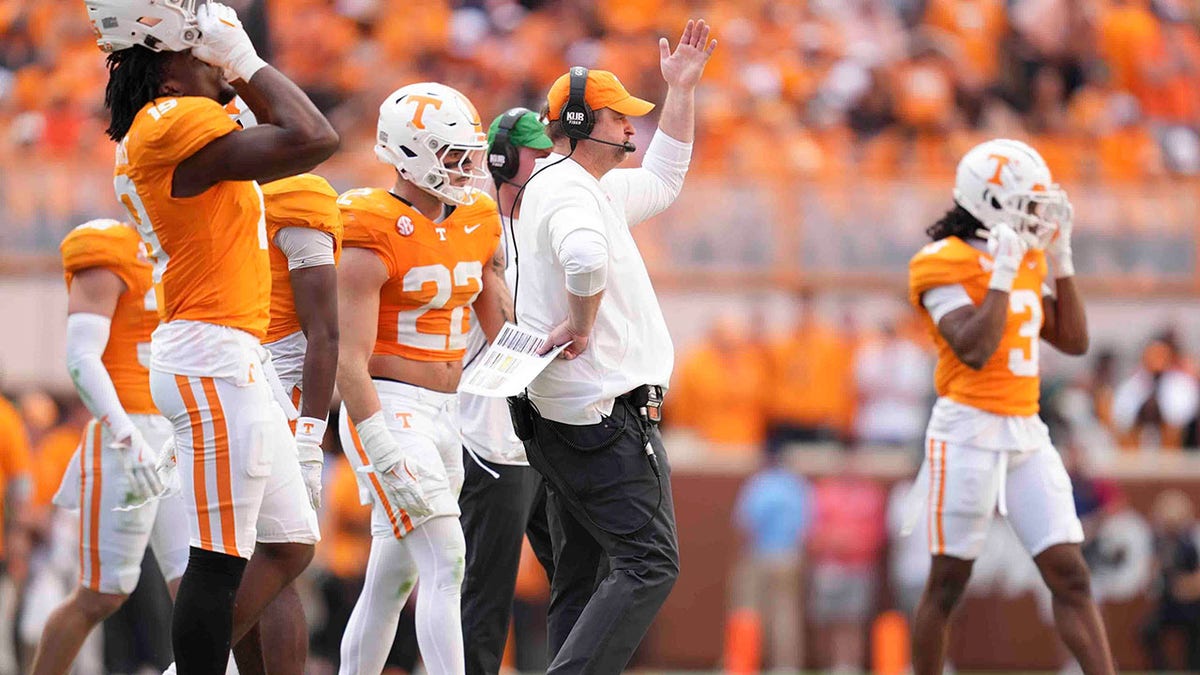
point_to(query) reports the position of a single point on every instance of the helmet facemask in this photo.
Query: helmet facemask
(1036, 215)
(458, 174)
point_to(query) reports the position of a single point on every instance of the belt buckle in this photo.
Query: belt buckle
(654, 404)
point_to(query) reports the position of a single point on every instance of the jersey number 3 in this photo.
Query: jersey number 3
(1022, 302)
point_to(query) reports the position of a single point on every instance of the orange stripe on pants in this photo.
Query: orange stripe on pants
(931, 502)
(199, 482)
(82, 498)
(941, 502)
(387, 506)
(224, 473)
(94, 525)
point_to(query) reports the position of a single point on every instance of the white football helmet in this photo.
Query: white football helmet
(158, 25)
(433, 136)
(1007, 181)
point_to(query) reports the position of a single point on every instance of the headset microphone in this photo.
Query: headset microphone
(629, 147)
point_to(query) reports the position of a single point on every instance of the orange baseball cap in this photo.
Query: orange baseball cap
(603, 90)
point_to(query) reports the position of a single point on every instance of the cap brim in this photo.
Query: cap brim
(539, 142)
(632, 106)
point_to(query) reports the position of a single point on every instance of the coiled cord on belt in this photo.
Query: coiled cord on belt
(645, 434)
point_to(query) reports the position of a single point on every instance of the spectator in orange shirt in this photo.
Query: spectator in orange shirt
(700, 398)
(1128, 35)
(15, 487)
(53, 453)
(978, 28)
(809, 385)
(1126, 149)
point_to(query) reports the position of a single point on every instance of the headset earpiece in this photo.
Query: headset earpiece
(504, 158)
(576, 117)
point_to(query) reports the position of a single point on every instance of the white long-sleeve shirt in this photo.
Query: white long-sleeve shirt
(629, 345)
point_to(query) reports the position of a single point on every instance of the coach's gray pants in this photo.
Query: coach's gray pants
(612, 526)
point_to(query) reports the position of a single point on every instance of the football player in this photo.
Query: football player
(186, 173)
(421, 264)
(980, 285)
(305, 233)
(111, 311)
(502, 499)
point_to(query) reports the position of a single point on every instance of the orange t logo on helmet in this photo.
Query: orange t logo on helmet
(1001, 162)
(422, 102)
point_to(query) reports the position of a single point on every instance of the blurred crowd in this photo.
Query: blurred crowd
(832, 125)
(830, 380)
(819, 88)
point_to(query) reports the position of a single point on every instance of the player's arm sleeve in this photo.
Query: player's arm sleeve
(16, 458)
(648, 190)
(941, 300)
(84, 249)
(577, 238)
(87, 336)
(357, 233)
(305, 247)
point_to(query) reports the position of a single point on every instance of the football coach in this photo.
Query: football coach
(589, 421)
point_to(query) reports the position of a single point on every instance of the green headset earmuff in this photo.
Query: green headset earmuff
(504, 158)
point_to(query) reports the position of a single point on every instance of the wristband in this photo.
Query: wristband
(377, 442)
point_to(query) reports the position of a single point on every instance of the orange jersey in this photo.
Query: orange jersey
(15, 460)
(297, 201)
(209, 251)
(435, 270)
(1008, 383)
(117, 248)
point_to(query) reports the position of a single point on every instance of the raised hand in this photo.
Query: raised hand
(685, 65)
(1059, 248)
(224, 43)
(1007, 249)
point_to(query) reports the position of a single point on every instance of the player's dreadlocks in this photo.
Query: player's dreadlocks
(135, 77)
(957, 222)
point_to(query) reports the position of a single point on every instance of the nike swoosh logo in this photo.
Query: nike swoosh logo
(472, 228)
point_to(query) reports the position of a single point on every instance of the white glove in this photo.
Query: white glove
(1007, 249)
(138, 460)
(1059, 248)
(309, 432)
(224, 43)
(166, 468)
(400, 476)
